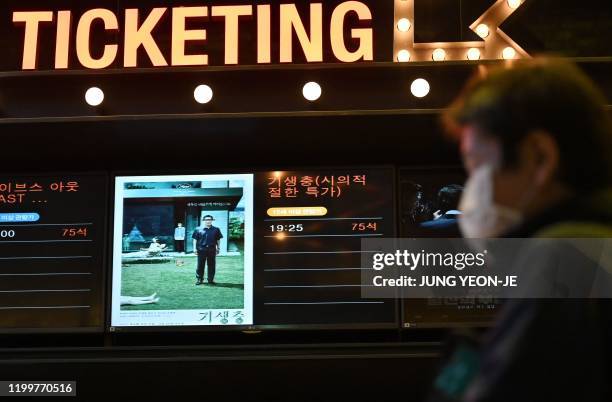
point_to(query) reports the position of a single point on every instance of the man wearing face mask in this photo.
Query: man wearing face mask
(536, 141)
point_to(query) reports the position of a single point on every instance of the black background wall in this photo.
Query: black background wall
(258, 119)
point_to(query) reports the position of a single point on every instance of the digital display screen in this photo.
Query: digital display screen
(263, 249)
(308, 253)
(429, 200)
(52, 244)
(183, 251)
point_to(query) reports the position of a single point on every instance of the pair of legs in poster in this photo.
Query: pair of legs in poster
(137, 300)
(179, 246)
(206, 258)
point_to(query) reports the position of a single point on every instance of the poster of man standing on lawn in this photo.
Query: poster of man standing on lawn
(182, 250)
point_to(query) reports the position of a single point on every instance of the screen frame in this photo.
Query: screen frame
(102, 328)
(255, 328)
(450, 324)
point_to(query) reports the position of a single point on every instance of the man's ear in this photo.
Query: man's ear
(543, 153)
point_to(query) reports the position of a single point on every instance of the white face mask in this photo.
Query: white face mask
(480, 216)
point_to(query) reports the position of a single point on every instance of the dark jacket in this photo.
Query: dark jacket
(542, 350)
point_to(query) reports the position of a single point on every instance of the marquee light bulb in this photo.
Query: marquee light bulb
(203, 94)
(94, 96)
(311, 91)
(508, 53)
(419, 87)
(403, 25)
(514, 4)
(473, 54)
(403, 56)
(482, 30)
(438, 55)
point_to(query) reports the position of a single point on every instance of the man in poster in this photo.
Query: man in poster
(179, 238)
(206, 246)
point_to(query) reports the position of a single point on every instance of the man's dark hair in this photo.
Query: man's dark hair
(548, 95)
(448, 197)
(208, 216)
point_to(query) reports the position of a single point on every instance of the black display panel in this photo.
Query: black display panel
(52, 248)
(285, 247)
(429, 200)
(307, 269)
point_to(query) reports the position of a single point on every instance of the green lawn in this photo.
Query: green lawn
(175, 286)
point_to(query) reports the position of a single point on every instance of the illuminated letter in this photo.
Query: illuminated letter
(136, 37)
(365, 50)
(62, 39)
(180, 35)
(263, 34)
(30, 38)
(290, 20)
(83, 38)
(232, 15)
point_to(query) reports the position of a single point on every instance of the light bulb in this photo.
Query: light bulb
(203, 94)
(403, 56)
(403, 25)
(419, 87)
(514, 4)
(94, 96)
(438, 55)
(509, 53)
(311, 91)
(482, 30)
(473, 54)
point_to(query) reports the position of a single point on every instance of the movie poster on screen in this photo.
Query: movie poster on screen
(182, 251)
